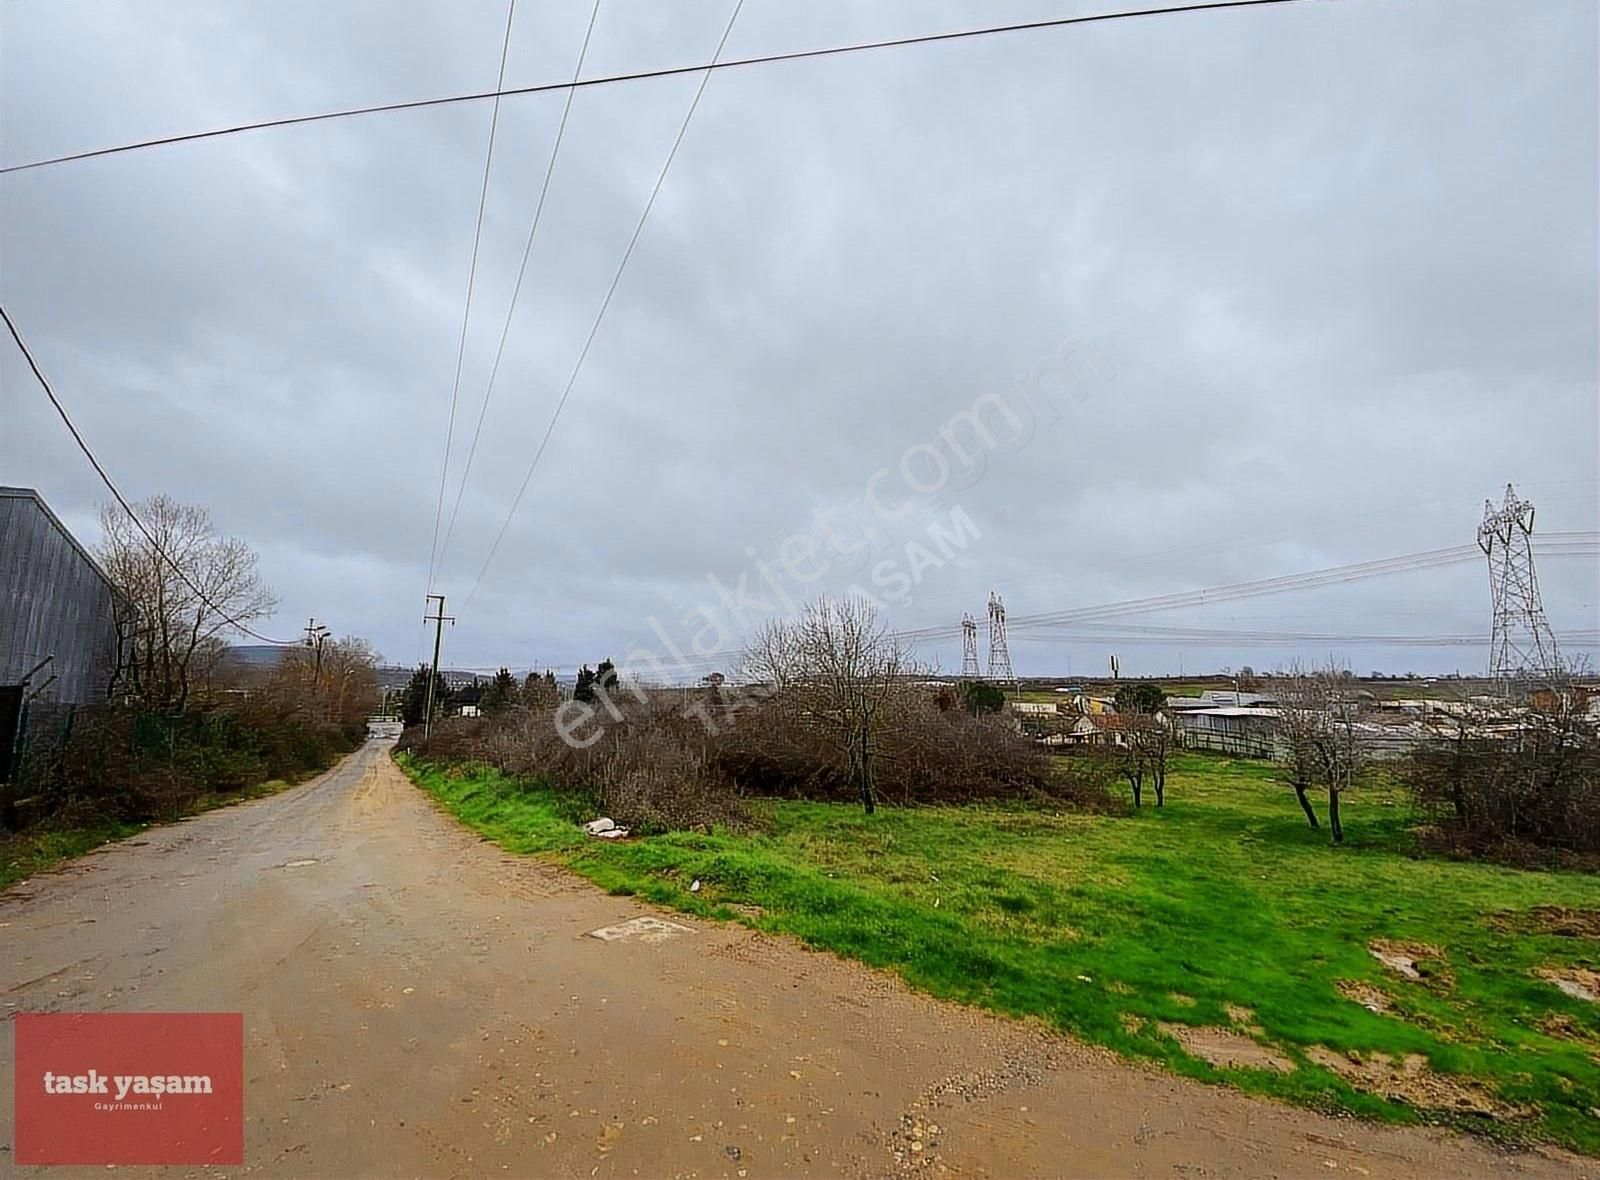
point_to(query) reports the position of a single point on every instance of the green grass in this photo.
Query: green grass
(23, 855)
(1224, 897)
(40, 849)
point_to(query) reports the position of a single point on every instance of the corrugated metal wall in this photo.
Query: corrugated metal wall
(53, 601)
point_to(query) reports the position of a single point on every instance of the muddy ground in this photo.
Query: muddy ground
(418, 1003)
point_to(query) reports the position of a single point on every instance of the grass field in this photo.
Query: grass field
(1222, 911)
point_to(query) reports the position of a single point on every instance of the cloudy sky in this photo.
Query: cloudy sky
(1325, 275)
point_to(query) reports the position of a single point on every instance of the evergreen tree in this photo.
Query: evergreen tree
(500, 693)
(414, 700)
(585, 689)
(1140, 698)
(979, 697)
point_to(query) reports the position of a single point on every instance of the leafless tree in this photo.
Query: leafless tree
(1155, 737)
(1131, 764)
(1147, 741)
(1298, 726)
(1316, 730)
(179, 589)
(836, 665)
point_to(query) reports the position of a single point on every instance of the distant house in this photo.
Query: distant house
(1081, 702)
(1100, 729)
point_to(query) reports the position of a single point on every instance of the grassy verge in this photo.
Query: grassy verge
(39, 849)
(1222, 910)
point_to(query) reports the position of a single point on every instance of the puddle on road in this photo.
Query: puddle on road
(644, 929)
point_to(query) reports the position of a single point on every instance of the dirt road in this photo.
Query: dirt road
(418, 1003)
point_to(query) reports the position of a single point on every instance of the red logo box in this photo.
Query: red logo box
(129, 1088)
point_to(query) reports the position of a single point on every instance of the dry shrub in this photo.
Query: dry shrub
(648, 770)
(1528, 794)
(145, 765)
(660, 766)
(924, 754)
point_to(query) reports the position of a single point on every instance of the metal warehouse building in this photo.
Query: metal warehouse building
(57, 607)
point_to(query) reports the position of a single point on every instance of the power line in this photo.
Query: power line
(1555, 544)
(516, 290)
(472, 280)
(105, 478)
(605, 304)
(639, 75)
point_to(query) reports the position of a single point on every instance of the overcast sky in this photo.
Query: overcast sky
(1329, 269)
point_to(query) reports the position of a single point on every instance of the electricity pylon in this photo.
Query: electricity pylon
(999, 653)
(1521, 643)
(969, 648)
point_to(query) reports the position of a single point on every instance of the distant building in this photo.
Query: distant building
(58, 633)
(1033, 709)
(1248, 731)
(57, 606)
(1237, 700)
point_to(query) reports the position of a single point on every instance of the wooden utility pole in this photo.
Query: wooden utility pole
(316, 636)
(438, 620)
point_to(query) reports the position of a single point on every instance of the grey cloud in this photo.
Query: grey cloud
(1341, 257)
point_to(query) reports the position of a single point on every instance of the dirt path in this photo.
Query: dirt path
(417, 1002)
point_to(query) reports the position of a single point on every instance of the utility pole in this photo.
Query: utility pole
(316, 636)
(438, 621)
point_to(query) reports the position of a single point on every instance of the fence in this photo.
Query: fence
(32, 735)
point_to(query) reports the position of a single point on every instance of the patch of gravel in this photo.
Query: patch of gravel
(1371, 998)
(914, 1143)
(1578, 982)
(1226, 1048)
(1410, 1079)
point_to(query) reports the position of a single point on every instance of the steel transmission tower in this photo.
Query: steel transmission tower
(1520, 641)
(969, 648)
(999, 653)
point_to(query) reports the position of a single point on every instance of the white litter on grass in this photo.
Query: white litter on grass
(644, 929)
(695, 888)
(606, 828)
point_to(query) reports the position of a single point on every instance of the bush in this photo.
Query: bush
(139, 766)
(1506, 786)
(979, 697)
(646, 771)
(661, 767)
